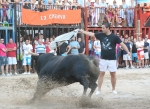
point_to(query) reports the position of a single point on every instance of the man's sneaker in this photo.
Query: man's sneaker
(3, 74)
(114, 92)
(98, 93)
(132, 67)
(25, 73)
(28, 73)
(127, 68)
(8, 74)
(16, 73)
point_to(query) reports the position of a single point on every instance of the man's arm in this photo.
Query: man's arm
(87, 33)
(4, 50)
(124, 47)
(83, 51)
(68, 49)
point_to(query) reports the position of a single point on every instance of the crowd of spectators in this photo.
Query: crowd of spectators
(136, 47)
(23, 59)
(98, 12)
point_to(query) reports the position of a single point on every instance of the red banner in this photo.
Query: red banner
(51, 17)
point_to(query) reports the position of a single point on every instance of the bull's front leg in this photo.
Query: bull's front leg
(93, 86)
(42, 88)
(84, 81)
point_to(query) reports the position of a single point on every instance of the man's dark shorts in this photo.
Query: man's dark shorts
(3, 60)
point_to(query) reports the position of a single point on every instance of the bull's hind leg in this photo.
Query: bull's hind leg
(42, 88)
(93, 86)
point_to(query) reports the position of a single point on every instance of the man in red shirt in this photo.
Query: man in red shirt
(11, 48)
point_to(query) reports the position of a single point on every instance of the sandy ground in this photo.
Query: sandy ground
(133, 88)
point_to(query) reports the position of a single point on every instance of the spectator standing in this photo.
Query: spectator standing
(127, 57)
(97, 48)
(3, 58)
(82, 46)
(140, 52)
(90, 44)
(97, 12)
(74, 46)
(134, 53)
(40, 47)
(11, 54)
(64, 49)
(146, 55)
(130, 13)
(103, 6)
(47, 44)
(27, 47)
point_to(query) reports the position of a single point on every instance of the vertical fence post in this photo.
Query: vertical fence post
(86, 27)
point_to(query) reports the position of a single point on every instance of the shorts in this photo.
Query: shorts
(27, 61)
(98, 54)
(126, 57)
(12, 60)
(134, 57)
(3, 60)
(146, 55)
(107, 64)
(140, 54)
(64, 54)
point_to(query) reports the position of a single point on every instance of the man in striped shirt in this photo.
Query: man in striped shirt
(40, 47)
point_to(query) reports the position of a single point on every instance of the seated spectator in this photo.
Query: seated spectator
(110, 14)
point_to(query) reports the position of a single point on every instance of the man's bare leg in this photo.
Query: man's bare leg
(100, 81)
(113, 79)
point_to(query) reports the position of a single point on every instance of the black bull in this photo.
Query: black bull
(64, 71)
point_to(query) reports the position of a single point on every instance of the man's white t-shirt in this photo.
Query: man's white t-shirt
(140, 44)
(97, 44)
(26, 49)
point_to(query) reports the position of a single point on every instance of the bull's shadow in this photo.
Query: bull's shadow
(56, 71)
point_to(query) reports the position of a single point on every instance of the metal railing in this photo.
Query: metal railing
(118, 17)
